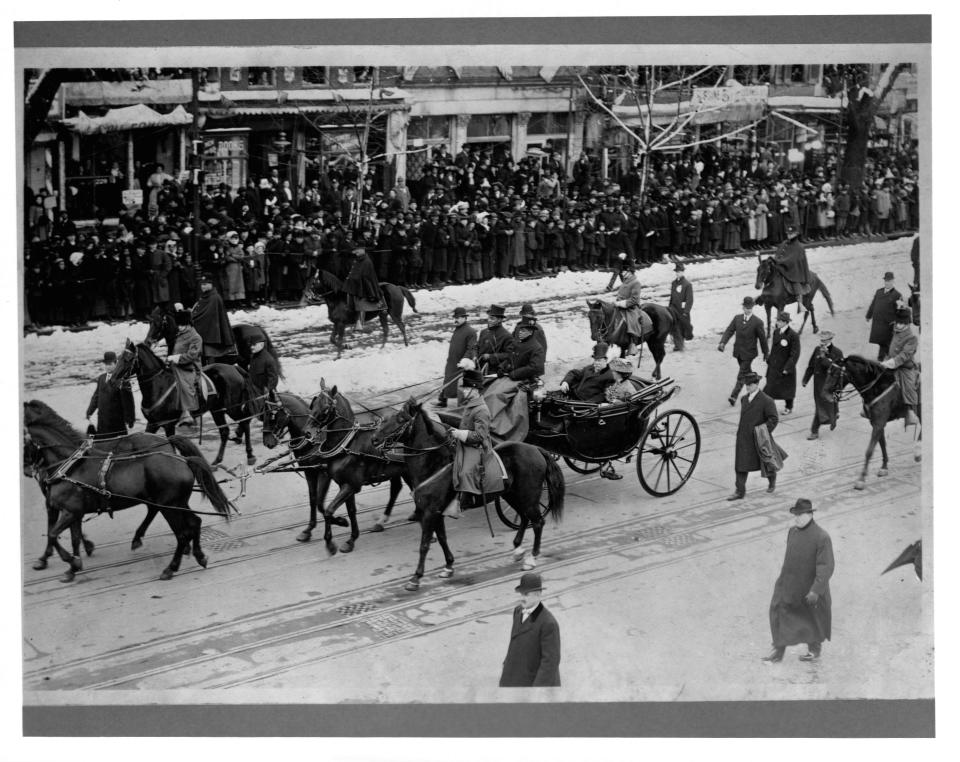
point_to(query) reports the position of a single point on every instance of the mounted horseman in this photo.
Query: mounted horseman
(363, 287)
(791, 261)
(185, 363)
(628, 302)
(210, 320)
(903, 349)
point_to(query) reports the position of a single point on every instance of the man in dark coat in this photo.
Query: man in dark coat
(495, 343)
(782, 364)
(817, 368)
(800, 610)
(527, 311)
(589, 383)
(209, 319)
(882, 312)
(264, 371)
(791, 260)
(363, 286)
(748, 329)
(681, 302)
(756, 409)
(114, 403)
(533, 657)
(463, 345)
(526, 357)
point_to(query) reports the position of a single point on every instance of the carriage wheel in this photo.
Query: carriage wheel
(582, 466)
(511, 518)
(668, 452)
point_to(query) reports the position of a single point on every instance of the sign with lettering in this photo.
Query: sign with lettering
(728, 104)
(132, 198)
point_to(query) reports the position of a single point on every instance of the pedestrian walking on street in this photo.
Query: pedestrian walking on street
(756, 409)
(748, 329)
(782, 365)
(800, 609)
(533, 657)
(463, 345)
(826, 410)
(882, 312)
(113, 404)
(681, 302)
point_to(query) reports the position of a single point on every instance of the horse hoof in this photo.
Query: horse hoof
(202, 560)
(378, 527)
(529, 565)
(346, 546)
(412, 585)
(251, 460)
(518, 554)
(88, 547)
(446, 572)
(67, 576)
(40, 564)
(136, 544)
(331, 549)
(860, 485)
(166, 574)
(338, 521)
(303, 537)
(882, 472)
(916, 458)
(216, 462)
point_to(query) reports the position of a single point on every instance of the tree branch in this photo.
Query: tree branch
(719, 137)
(616, 118)
(680, 81)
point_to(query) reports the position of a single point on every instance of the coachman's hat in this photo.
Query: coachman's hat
(802, 506)
(527, 309)
(679, 268)
(792, 230)
(109, 358)
(496, 311)
(472, 379)
(530, 323)
(600, 351)
(529, 582)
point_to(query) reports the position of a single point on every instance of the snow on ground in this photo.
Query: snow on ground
(59, 368)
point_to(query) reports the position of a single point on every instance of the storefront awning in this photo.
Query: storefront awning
(290, 109)
(128, 118)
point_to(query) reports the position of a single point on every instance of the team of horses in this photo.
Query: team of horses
(328, 442)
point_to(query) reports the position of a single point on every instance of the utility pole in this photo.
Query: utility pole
(196, 146)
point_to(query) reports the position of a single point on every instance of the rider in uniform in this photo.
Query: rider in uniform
(628, 301)
(212, 324)
(476, 468)
(185, 362)
(495, 343)
(903, 348)
(589, 383)
(791, 260)
(362, 286)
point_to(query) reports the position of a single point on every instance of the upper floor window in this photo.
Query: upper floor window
(315, 75)
(261, 76)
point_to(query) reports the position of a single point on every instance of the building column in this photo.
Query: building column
(459, 132)
(61, 175)
(131, 177)
(575, 146)
(396, 148)
(518, 138)
(298, 147)
(182, 154)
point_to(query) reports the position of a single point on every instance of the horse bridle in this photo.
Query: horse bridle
(838, 393)
(391, 440)
(134, 363)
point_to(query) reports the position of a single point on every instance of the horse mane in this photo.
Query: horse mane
(873, 365)
(330, 280)
(46, 417)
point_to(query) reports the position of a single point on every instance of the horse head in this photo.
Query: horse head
(275, 421)
(326, 408)
(595, 313)
(159, 325)
(398, 428)
(764, 272)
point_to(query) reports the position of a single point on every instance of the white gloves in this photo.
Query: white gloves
(564, 387)
(467, 364)
(460, 434)
(621, 302)
(888, 364)
(173, 359)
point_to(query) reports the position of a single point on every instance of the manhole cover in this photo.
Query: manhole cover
(391, 625)
(352, 609)
(679, 539)
(214, 539)
(651, 532)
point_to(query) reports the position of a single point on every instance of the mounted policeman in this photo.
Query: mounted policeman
(791, 260)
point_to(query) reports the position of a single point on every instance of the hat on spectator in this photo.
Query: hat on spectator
(182, 317)
(826, 337)
(801, 506)
(904, 315)
(206, 278)
(109, 358)
(748, 301)
(460, 312)
(600, 350)
(783, 317)
(679, 268)
(496, 311)
(529, 583)
(888, 275)
(751, 378)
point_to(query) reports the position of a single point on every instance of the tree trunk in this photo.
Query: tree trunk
(858, 122)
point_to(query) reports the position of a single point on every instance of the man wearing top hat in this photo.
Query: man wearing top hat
(528, 311)
(495, 343)
(533, 656)
(782, 364)
(791, 260)
(681, 302)
(362, 286)
(463, 346)
(748, 330)
(588, 384)
(112, 403)
(756, 409)
(817, 368)
(882, 312)
(800, 610)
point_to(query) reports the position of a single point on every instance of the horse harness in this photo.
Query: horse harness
(839, 395)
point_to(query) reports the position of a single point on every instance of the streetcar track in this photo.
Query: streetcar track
(319, 604)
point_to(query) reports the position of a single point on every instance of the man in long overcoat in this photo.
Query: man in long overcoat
(756, 409)
(800, 610)
(903, 348)
(817, 369)
(628, 301)
(681, 302)
(527, 310)
(185, 362)
(526, 357)
(160, 265)
(748, 329)
(210, 321)
(495, 343)
(463, 344)
(113, 404)
(882, 313)
(533, 656)
(476, 467)
(782, 363)
(791, 260)
(362, 285)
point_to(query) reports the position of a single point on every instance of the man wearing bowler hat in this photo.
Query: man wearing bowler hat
(533, 656)
(882, 312)
(495, 343)
(817, 368)
(112, 403)
(800, 610)
(748, 330)
(756, 409)
(681, 302)
(462, 354)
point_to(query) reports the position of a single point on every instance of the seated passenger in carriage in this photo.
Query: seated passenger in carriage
(623, 387)
(589, 384)
(476, 467)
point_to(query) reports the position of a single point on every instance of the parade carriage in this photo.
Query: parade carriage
(590, 437)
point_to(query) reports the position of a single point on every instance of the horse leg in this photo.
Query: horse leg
(883, 453)
(403, 329)
(317, 484)
(182, 533)
(813, 316)
(395, 485)
(152, 427)
(347, 545)
(518, 551)
(142, 529)
(88, 546)
(251, 458)
(64, 520)
(41, 563)
(220, 421)
(537, 521)
(447, 570)
(874, 438)
(658, 350)
(767, 306)
(426, 532)
(385, 327)
(346, 491)
(194, 522)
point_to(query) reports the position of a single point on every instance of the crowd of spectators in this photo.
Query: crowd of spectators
(464, 219)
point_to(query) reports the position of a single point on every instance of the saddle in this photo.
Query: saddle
(205, 386)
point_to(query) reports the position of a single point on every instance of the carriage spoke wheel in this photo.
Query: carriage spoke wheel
(668, 452)
(582, 466)
(511, 518)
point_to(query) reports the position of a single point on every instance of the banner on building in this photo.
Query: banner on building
(132, 198)
(729, 104)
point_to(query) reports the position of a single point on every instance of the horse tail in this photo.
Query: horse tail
(409, 297)
(826, 295)
(203, 473)
(556, 487)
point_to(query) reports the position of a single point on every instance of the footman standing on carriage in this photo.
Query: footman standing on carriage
(185, 361)
(495, 342)
(800, 610)
(817, 368)
(791, 259)
(588, 384)
(527, 310)
(463, 345)
(903, 349)
(681, 302)
(756, 409)
(748, 329)
(882, 312)
(476, 467)
(533, 656)
(782, 365)
(628, 300)
(210, 321)
(113, 403)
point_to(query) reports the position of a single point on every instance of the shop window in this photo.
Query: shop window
(209, 75)
(764, 74)
(547, 124)
(797, 73)
(429, 128)
(315, 75)
(488, 125)
(261, 76)
(362, 74)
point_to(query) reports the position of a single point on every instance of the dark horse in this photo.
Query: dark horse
(775, 294)
(329, 287)
(608, 324)
(428, 452)
(345, 450)
(160, 405)
(79, 478)
(882, 402)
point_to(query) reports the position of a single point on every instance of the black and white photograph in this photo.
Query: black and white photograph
(418, 374)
